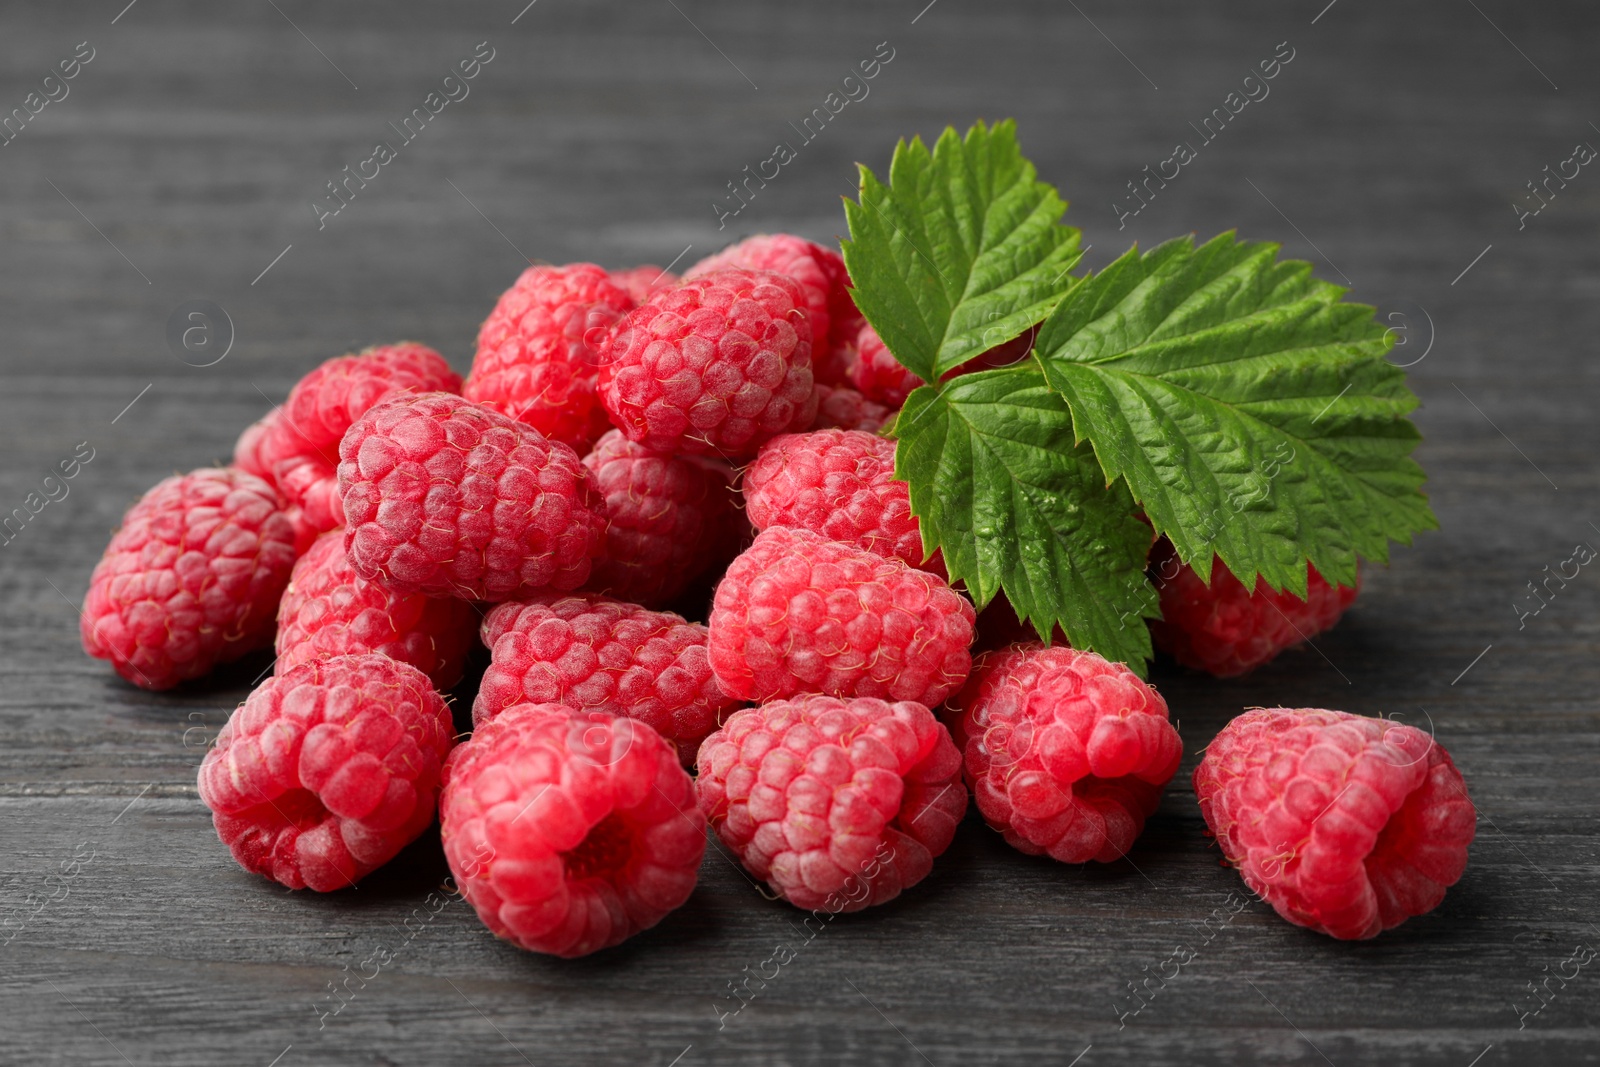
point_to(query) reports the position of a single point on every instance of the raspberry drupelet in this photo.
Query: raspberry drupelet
(327, 770)
(798, 613)
(449, 498)
(1066, 753)
(330, 610)
(840, 484)
(1345, 824)
(670, 520)
(302, 442)
(191, 579)
(716, 366)
(1226, 630)
(836, 804)
(570, 831)
(536, 358)
(593, 653)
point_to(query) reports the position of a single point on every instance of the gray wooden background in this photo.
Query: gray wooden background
(182, 164)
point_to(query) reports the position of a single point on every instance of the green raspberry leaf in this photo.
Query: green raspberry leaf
(1249, 410)
(1000, 487)
(961, 251)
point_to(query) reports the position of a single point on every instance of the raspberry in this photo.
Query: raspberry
(251, 455)
(836, 804)
(841, 484)
(797, 613)
(535, 362)
(330, 610)
(328, 770)
(821, 273)
(593, 653)
(1345, 824)
(1066, 753)
(669, 520)
(640, 282)
(720, 364)
(881, 378)
(569, 831)
(303, 442)
(192, 578)
(846, 409)
(877, 374)
(1223, 629)
(449, 498)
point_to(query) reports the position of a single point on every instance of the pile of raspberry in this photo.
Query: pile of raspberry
(664, 511)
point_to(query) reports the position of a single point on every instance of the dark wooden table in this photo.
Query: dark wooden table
(182, 164)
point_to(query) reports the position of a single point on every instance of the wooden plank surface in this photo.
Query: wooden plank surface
(182, 165)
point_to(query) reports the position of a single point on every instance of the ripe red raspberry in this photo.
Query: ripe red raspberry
(821, 273)
(1223, 629)
(191, 579)
(640, 282)
(881, 378)
(303, 441)
(1066, 753)
(593, 653)
(328, 770)
(669, 520)
(718, 365)
(570, 831)
(449, 498)
(841, 484)
(330, 610)
(836, 804)
(535, 361)
(1345, 824)
(798, 613)
(877, 374)
(251, 454)
(845, 409)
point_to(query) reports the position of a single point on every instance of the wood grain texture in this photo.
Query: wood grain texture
(185, 159)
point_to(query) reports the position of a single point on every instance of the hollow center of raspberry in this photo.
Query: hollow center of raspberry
(299, 808)
(603, 853)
